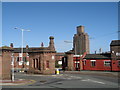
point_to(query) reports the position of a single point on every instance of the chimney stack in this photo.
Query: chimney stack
(11, 45)
(27, 46)
(42, 45)
(51, 43)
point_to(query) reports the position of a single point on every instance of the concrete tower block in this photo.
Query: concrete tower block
(80, 29)
(81, 41)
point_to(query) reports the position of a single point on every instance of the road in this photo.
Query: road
(67, 80)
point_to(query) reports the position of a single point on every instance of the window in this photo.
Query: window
(24, 59)
(107, 63)
(27, 63)
(84, 61)
(93, 63)
(17, 59)
(117, 54)
(27, 54)
(47, 64)
(53, 57)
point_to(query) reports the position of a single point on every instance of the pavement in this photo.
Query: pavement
(16, 82)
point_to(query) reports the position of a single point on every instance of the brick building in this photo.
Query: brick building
(35, 59)
(58, 59)
(115, 54)
(115, 49)
(19, 62)
(100, 62)
(42, 59)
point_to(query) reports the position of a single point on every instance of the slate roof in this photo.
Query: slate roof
(32, 49)
(98, 56)
(18, 50)
(40, 49)
(115, 43)
(5, 49)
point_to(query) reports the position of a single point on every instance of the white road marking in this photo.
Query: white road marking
(8, 84)
(93, 81)
(76, 77)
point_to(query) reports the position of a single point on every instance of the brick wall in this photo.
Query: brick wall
(46, 63)
(5, 60)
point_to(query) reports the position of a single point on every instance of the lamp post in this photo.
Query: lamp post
(22, 43)
(13, 76)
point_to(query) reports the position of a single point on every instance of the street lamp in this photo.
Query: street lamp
(71, 42)
(22, 42)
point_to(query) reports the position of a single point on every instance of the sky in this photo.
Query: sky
(59, 19)
(60, 0)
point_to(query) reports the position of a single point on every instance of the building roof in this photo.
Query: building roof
(32, 49)
(4, 50)
(98, 56)
(115, 43)
(18, 50)
(40, 49)
(69, 52)
(60, 54)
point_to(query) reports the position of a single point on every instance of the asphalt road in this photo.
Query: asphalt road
(67, 80)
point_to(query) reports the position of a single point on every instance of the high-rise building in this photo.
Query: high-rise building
(80, 41)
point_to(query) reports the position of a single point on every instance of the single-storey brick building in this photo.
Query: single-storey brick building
(102, 61)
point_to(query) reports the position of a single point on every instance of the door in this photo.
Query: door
(76, 65)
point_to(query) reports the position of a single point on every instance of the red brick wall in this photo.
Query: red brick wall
(43, 59)
(99, 66)
(115, 65)
(16, 63)
(70, 62)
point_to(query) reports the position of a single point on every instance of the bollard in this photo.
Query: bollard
(57, 71)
